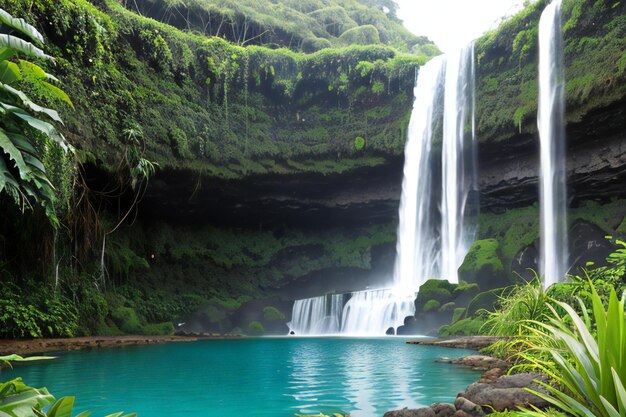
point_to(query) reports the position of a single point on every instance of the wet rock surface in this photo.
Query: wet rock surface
(495, 391)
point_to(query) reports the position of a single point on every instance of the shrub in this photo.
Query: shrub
(588, 357)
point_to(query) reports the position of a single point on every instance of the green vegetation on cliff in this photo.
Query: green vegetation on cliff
(303, 25)
(594, 45)
(215, 107)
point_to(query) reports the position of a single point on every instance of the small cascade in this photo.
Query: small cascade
(317, 315)
(459, 177)
(373, 312)
(550, 120)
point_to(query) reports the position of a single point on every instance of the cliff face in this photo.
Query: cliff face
(280, 156)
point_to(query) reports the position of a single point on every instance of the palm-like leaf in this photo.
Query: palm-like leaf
(590, 372)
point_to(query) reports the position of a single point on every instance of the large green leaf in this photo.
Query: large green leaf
(53, 114)
(17, 399)
(20, 45)
(21, 26)
(62, 408)
(44, 127)
(9, 72)
(7, 146)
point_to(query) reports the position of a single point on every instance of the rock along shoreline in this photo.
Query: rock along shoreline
(494, 391)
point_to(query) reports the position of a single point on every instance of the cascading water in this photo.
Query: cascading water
(459, 183)
(420, 255)
(317, 315)
(417, 249)
(553, 195)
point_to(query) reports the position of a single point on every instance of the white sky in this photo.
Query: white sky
(453, 23)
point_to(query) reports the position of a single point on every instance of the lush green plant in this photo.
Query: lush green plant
(525, 302)
(23, 122)
(33, 313)
(588, 353)
(20, 400)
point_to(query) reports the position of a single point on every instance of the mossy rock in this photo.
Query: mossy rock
(125, 318)
(482, 264)
(487, 300)
(465, 327)
(271, 313)
(431, 305)
(255, 328)
(458, 313)
(435, 289)
(360, 35)
(447, 307)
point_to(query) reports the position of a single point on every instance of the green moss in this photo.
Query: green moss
(431, 305)
(464, 327)
(126, 320)
(361, 35)
(447, 307)
(458, 313)
(255, 329)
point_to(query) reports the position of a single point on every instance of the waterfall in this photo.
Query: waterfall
(373, 312)
(416, 248)
(317, 315)
(550, 120)
(433, 235)
(459, 183)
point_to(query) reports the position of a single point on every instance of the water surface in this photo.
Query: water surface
(265, 377)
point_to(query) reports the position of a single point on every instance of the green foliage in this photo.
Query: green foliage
(126, 319)
(256, 329)
(524, 302)
(359, 143)
(31, 313)
(26, 129)
(588, 357)
(507, 66)
(361, 35)
(19, 400)
(464, 327)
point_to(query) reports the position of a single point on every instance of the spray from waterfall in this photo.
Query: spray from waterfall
(550, 120)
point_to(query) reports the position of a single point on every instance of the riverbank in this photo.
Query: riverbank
(33, 346)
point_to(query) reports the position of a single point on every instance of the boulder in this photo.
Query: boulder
(405, 412)
(507, 392)
(465, 405)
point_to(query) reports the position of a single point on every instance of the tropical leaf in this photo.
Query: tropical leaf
(15, 154)
(21, 26)
(9, 72)
(56, 92)
(33, 70)
(62, 408)
(53, 114)
(20, 45)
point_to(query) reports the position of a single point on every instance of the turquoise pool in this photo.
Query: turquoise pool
(264, 377)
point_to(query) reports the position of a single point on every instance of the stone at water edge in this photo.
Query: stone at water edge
(507, 392)
(435, 410)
